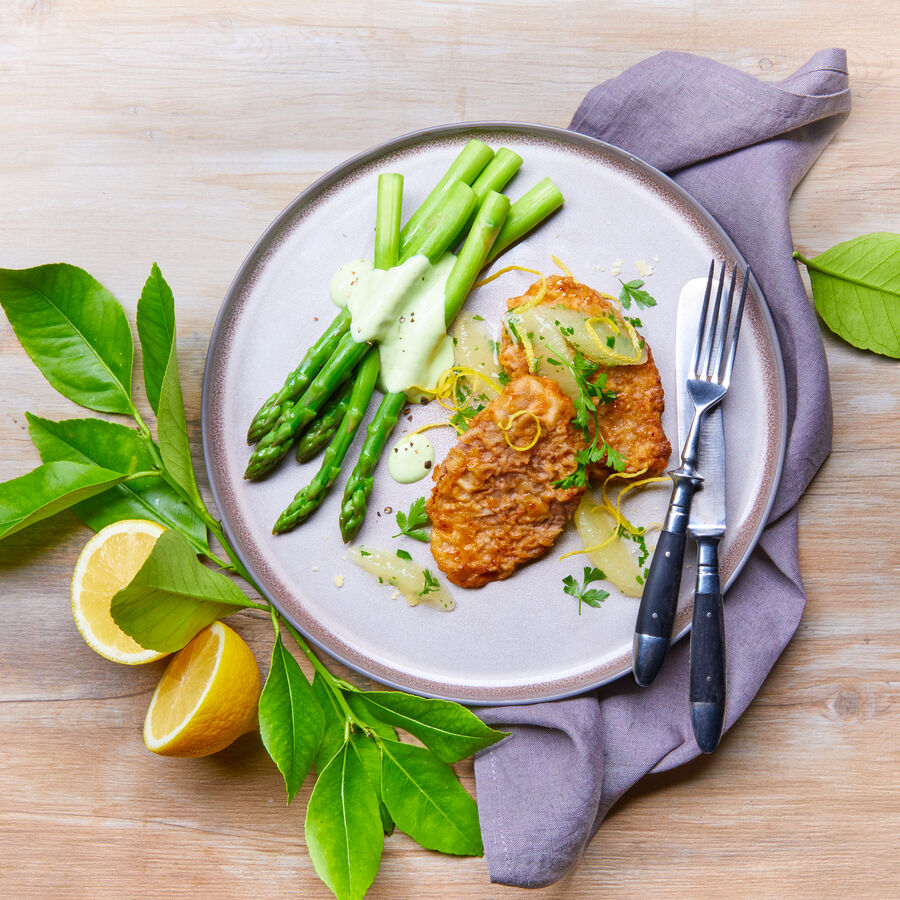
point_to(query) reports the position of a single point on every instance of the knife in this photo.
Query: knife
(706, 527)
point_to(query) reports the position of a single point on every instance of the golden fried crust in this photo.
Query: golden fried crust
(632, 423)
(494, 508)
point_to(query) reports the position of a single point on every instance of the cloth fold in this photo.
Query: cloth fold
(739, 146)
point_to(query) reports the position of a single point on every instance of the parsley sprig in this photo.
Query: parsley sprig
(469, 404)
(414, 524)
(431, 583)
(591, 395)
(631, 290)
(592, 596)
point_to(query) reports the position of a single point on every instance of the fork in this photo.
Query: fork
(710, 375)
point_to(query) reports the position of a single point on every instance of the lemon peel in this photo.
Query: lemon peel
(561, 265)
(206, 698)
(505, 429)
(503, 271)
(108, 562)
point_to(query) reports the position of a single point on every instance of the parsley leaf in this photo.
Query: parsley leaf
(402, 554)
(503, 378)
(431, 583)
(631, 290)
(591, 395)
(414, 523)
(468, 406)
(593, 596)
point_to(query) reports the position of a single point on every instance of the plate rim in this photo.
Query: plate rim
(232, 294)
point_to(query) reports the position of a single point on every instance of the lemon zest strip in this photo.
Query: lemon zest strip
(528, 347)
(614, 536)
(614, 511)
(608, 351)
(505, 429)
(422, 428)
(560, 264)
(503, 271)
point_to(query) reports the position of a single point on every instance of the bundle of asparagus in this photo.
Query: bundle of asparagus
(324, 400)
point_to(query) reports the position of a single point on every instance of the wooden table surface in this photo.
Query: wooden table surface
(175, 132)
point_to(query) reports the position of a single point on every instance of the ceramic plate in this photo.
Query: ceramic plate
(522, 639)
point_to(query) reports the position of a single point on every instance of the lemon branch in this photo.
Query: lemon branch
(335, 685)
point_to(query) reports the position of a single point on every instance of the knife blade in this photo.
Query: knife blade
(706, 526)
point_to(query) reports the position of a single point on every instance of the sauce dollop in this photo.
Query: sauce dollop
(411, 458)
(403, 309)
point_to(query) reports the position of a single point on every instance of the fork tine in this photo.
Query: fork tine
(718, 370)
(701, 325)
(713, 328)
(726, 378)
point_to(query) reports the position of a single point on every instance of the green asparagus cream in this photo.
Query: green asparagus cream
(411, 458)
(403, 309)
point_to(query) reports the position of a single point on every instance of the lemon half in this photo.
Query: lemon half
(207, 696)
(110, 559)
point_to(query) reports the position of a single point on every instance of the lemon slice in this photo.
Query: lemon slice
(207, 696)
(110, 559)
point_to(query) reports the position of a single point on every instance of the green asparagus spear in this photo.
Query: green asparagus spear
(484, 233)
(466, 168)
(308, 499)
(497, 173)
(297, 382)
(471, 258)
(359, 486)
(526, 213)
(276, 442)
(324, 425)
(459, 202)
(387, 221)
(362, 479)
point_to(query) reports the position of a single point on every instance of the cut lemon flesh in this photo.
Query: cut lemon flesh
(109, 561)
(207, 696)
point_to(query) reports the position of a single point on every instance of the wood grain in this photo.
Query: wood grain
(164, 131)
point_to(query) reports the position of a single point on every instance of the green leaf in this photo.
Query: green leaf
(75, 332)
(632, 291)
(415, 523)
(173, 596)
(343, 829)
(156, 329)
(447, 728)
(427, 802)
(291, 722)
(365, 747)
(856, 289)
(369, 754)
(171, 429)
(49, 489)
(120, 449)
(335, 724)
(593, 596)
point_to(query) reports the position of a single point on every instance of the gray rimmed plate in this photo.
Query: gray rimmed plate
(519, 640)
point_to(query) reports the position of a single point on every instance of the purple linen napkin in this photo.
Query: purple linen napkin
(740, 147)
